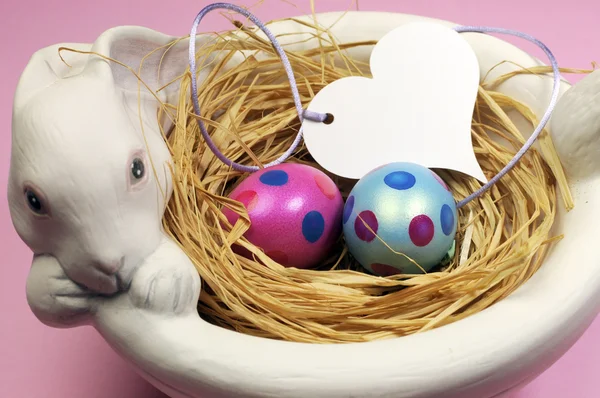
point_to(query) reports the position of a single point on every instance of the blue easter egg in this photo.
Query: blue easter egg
(399, 214)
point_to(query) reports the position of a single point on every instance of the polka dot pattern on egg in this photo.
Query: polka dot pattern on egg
(400, 180)
(447, 219)
(313, 225)
(421, 230)
(274, 178)
(348, 207)
(328, 187)
(385, 269)
(278, 256)
(248, 199)
(295, 213)
(410, 210)
(439, 179)
(366, 226)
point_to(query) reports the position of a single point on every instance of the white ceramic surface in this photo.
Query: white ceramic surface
(98, 234)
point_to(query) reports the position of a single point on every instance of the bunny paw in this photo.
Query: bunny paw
(54, 298)
(167, 282)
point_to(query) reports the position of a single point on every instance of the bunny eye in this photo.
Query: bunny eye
(138, 169)
(35, 202)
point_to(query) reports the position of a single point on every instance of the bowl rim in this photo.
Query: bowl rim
(481, 355)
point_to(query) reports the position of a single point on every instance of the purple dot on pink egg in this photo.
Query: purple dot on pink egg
(327, 187)
(313, 226)
(439, 179)
(249, 199)
(348, 207)
(366, 226)
(274, 178)
(385, 270)
(421, 230)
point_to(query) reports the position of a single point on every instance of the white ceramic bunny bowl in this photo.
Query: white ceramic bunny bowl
(84, 199)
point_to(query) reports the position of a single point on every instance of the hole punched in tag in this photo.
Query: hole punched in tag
(329, 118)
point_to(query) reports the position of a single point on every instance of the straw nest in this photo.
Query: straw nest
(502, 237)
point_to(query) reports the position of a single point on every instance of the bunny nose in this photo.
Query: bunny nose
(110, 267)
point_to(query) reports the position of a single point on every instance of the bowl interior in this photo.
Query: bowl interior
(479, 356)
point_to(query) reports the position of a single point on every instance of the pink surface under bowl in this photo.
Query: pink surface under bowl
(491, 354)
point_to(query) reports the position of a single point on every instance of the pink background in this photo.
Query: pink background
(37, 361)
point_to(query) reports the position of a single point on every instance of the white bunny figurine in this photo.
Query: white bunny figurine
(89, 182)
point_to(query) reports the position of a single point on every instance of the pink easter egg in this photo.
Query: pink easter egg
(295, 212)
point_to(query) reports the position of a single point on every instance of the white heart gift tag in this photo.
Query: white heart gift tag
(417, 107)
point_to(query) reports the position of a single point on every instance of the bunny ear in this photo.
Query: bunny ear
(158, 59)
(45, 67)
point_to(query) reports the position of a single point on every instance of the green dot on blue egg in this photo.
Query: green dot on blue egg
(313, 226)
(400, 180)
(274, 178)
